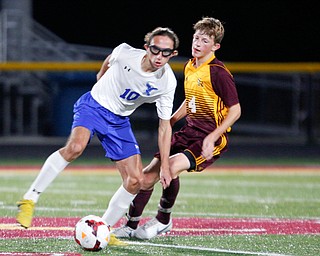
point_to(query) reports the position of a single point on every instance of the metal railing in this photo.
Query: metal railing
(276, 101)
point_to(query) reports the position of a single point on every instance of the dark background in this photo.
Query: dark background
(271, 31)
(257, 31)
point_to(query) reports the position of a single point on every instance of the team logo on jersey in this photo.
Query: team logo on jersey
(149, 89)
(127, 68)
(199, 82)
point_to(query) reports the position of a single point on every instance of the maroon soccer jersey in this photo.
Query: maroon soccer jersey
(209, 91)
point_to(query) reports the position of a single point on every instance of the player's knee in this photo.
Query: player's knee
(149, 181)
(178, 164)
(134, 183)
(72, 151)
(174, 166)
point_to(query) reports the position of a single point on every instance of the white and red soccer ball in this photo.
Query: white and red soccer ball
(92, 233)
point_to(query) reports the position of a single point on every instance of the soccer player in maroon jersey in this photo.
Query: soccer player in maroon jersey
(210, 108)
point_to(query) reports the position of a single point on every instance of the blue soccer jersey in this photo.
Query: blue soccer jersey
(117, 94)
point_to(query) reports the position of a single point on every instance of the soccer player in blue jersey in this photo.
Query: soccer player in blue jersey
(128, 78)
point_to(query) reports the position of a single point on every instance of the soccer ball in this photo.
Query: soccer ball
(92, 233)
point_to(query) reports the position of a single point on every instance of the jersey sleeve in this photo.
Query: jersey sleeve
(224, 86)
(165, 103)
(116, 52)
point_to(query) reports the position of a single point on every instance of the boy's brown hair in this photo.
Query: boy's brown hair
(211, 27)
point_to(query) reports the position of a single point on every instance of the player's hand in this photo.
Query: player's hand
(207, 148)
(165, 178)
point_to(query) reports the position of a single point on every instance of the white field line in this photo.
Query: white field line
(204, 249)
(211, 182)
(248, 199)
(234, 198)
(37, 254)
(148, 212)
(15, 226)
(243, 230)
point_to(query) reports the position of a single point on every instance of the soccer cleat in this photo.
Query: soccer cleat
(124, 232)
(25, 212)
(151, 229)
(115, 241)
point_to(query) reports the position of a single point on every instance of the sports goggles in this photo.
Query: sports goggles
(166, 52)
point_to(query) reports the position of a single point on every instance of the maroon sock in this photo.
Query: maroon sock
(137, 206)
(167, 200)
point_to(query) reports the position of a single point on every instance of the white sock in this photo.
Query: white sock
(118, 206)
(54, 164)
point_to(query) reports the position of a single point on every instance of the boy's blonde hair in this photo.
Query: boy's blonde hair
(211, 27)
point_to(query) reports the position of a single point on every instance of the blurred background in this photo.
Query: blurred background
(50, 52)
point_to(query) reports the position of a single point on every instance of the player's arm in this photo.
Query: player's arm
(104, 67)
(164, 142)
(179, 114)
(233, 115)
